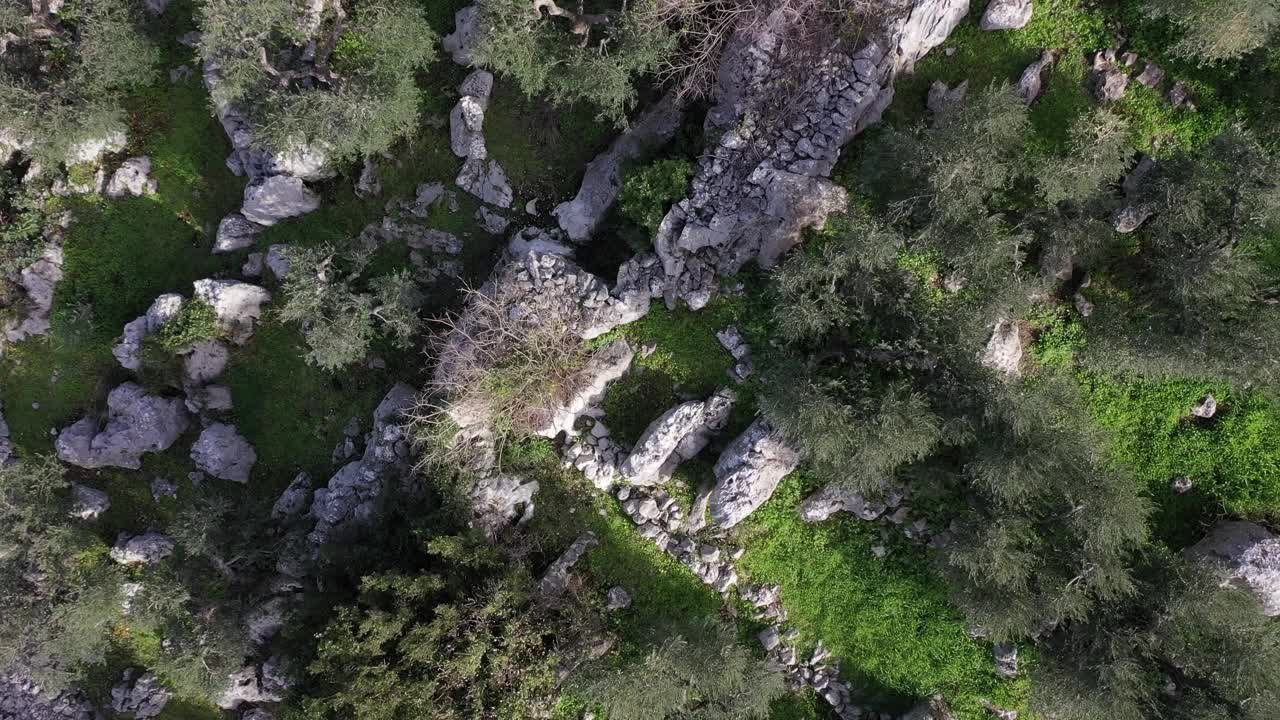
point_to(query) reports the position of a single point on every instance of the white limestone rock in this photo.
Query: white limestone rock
(276, 198)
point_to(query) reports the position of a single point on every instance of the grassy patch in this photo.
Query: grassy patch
(888, 620)
(1233, 458)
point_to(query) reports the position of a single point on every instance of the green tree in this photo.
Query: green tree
(338, 75)
(63, 78)
(571, 57)
(1216, 30)
(339, 320)
(699, 672)
(1186, 647)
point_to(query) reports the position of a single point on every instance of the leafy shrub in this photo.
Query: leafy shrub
(1215, 30)
(648, 192)
(196, 322)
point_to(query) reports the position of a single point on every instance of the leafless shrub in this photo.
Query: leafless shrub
(498, 377)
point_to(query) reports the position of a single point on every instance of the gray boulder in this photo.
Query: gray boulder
(88, 503)
(617, 599)
(499, 500)
(224, 453)
(249, 685)
(157, 7)
(236, 232)
(748, 472)
(836, 498)
(137, 423)
(132, 178)
(556, 580)
(38, 281)
(1005, 655)
(253, 265)
(1152, 75)
(461, 43)
(276, 198)
(146, 549)
(209, 398)
(1110, 85)
(1128, 219)
(466, 121)
(1250, 554)
(942, 97)
(676, 436)
(238, 306)
(1007, 348)
(205, 362)
(369, 184)
(486, 180)
(142, 698)
(1007, 15)
(278, 260)
(1031, 84)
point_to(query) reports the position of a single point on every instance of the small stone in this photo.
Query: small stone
(161, 488)
(1182, 485)
(618, 599)
(879, 550)
(1206, 408)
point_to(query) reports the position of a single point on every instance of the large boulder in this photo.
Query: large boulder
(276, 198)
(204, 362)
(238, 306)
(224, 453)
(132, 178)
(137, 423)
(1007, 15)
(748, 472)
(1251, 555)
(486, 180)
(676, 436)
(38, 282)
(145, 549)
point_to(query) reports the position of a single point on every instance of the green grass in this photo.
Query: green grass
(1233, 459)
(887, 620)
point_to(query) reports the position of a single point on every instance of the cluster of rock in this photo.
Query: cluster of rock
(481, 175)
(765, 177)
(433, 253)
(277, 178)
(22, 698)
(1112, 70)
(819, 671)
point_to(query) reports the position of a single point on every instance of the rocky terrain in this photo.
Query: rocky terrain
(828, 344)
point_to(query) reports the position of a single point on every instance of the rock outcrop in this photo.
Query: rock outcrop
(1250, 554)
(556, 579)
(224, 453)
(21, 698)
(481, 176)
(764, 178)
(140, 697)
(137, 423)
(602, 182)
(163, 309)
(353, 496)
(1006, 350)
(748, 472)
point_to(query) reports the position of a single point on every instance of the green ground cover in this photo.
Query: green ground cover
(887, 620)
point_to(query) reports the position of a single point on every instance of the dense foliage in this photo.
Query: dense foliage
(63, 76)
(337, 76)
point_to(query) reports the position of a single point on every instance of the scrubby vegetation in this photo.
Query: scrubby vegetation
(1028, 369)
